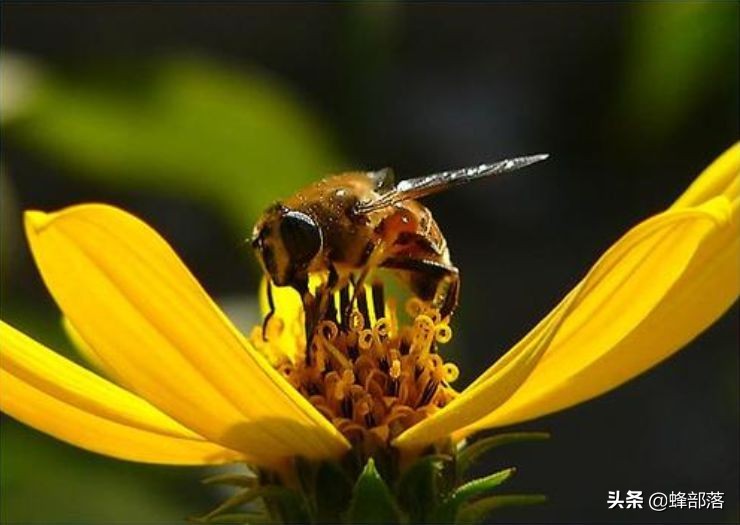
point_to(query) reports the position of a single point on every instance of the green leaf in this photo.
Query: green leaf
(372, 502)
(233, 138)
(421, 486)
(477, 511)
(470, 454)
(448, 510)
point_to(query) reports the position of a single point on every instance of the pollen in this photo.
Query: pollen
(370, 375)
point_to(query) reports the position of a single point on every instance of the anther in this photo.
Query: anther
(395, 370)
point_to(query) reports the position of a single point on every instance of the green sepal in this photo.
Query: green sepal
(292, 506)
(372, 501)
(428, 490)
(422, 485)
(448, 510)
(332, 491)
(468, 455)
(236, 480)
(244, 518)
(478, 511)
(283, 498)
(478, 486)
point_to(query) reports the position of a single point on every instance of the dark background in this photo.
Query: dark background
(631, 100)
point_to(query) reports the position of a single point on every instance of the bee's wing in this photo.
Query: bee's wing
(429, 184)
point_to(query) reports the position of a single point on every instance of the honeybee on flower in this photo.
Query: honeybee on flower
(349, 224)
(371, 417)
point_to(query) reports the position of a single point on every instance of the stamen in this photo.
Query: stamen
(414, 307)
(365, 339)
(429, 390)
(345, 363)
(328, 330)
(381, 329)
(371, 377)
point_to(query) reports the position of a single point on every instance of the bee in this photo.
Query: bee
(349, 224)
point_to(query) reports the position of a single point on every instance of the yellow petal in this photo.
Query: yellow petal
(134, 302)
(54, 395)
(653, 292)
(722, 177)
(288, 314)
(88, 353)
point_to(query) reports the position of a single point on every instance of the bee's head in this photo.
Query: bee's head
(286, 241)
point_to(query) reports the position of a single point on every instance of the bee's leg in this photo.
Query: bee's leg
(333, 279)
(359, 289)
(326, 293)
(450, 294)
(372, 252)
(271, 304)
(432, 281)
(307, 298)
(316, 306)
(311, 312)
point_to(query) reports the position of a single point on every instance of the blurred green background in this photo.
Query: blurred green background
(196, 116)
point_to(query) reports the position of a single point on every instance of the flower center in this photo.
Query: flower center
(369, 375)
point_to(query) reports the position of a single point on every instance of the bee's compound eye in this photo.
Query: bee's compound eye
(301, 237)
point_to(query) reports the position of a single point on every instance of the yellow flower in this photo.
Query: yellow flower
(185, 387)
